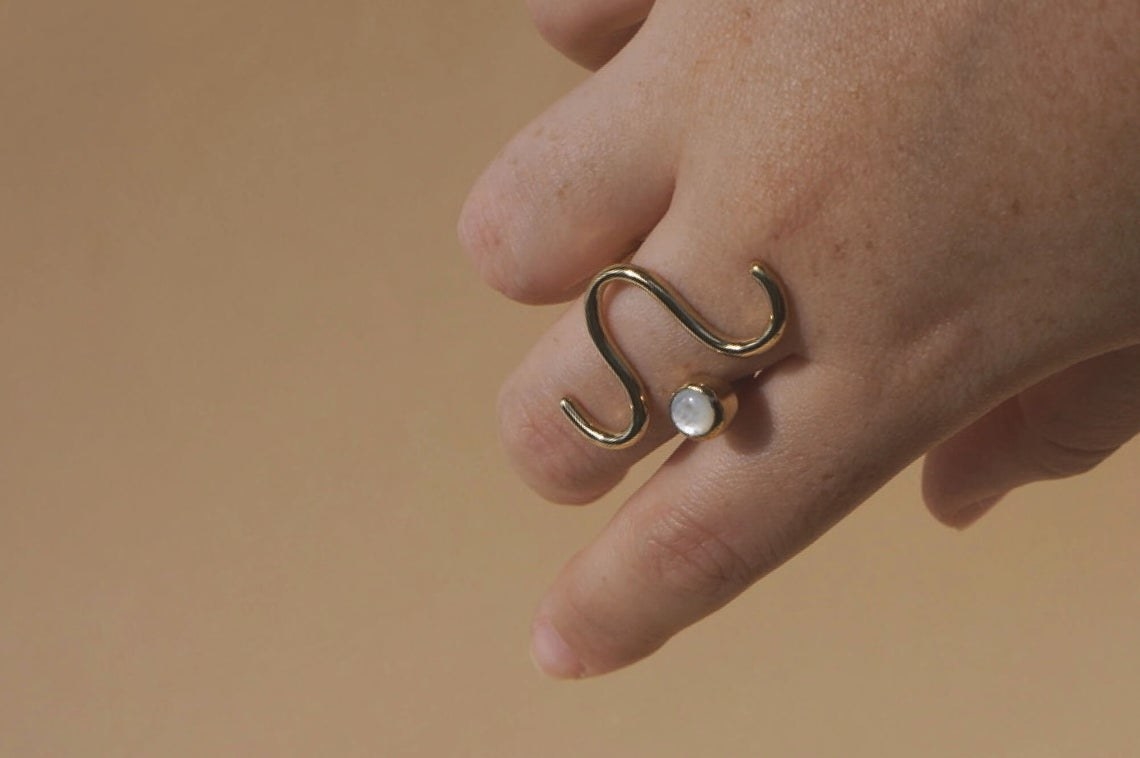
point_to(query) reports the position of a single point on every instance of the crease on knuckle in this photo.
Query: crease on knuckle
(1059, 460)
(686, 554)
(1051, 447)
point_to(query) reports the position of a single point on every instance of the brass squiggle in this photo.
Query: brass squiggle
(692, 322)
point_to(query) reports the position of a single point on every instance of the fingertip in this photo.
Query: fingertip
(952, 489)
(551, 654)
(965, 517)
(586, 626)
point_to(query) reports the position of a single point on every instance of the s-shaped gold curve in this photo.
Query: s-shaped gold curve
(692, 322)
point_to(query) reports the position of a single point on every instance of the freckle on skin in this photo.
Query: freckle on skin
(840, 251)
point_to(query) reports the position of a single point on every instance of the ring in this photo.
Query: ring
(703, 407)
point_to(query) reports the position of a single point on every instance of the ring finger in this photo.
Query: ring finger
(712, 273)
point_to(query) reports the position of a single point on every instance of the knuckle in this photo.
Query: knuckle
(484, 234)
(549, 18)
(1060, 445)
(1057, 459)
(685, 554)
(480, 235)
(490, 232)
(543, 454)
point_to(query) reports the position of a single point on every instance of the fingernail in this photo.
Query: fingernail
(552, 655)
(966, 517)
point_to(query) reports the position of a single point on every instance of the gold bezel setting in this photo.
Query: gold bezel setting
(721, 408)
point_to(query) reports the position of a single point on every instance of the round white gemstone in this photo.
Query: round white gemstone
(693, 412)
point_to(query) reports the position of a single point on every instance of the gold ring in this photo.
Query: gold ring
(703, 407)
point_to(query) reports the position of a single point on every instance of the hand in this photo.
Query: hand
(950, 192)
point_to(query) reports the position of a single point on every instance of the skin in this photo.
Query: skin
(950, 192)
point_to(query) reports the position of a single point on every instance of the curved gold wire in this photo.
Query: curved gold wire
(693, 323)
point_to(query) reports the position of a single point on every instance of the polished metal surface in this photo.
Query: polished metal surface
(688, 318)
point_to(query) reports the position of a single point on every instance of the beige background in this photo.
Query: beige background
(250, 499)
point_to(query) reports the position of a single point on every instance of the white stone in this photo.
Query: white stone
(693, 412)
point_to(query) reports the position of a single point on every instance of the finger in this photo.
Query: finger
(572, 193)
(1061, 427)
(721, 514)
(589, 32)
(711, 272)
